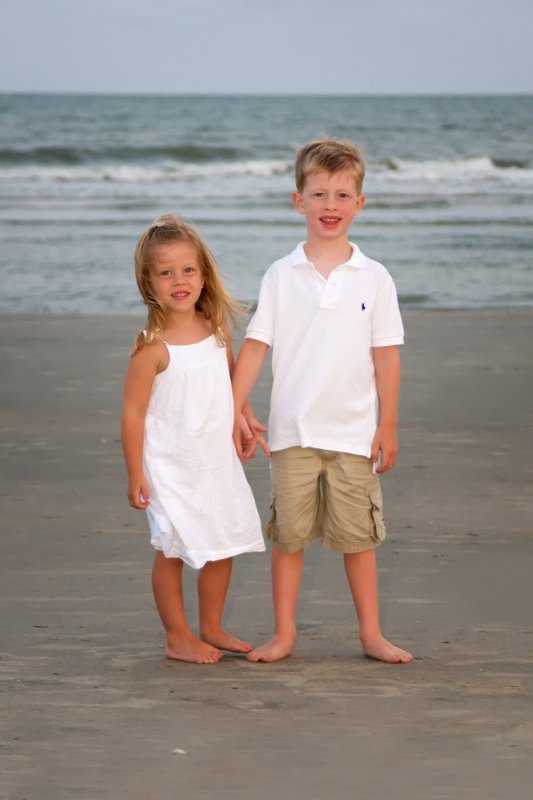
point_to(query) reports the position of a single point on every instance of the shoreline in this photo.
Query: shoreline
(91, 706)
(252, 304)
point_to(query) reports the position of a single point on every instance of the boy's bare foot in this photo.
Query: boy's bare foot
(274, 650)
(379, 648)
(226, 641)
(189, 648)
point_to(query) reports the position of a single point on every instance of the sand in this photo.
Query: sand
(92, 709)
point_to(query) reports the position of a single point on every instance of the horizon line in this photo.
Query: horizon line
(258, 94)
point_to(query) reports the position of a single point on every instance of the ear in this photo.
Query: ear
(361, 200)
(297, 202)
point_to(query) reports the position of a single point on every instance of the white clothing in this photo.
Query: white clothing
(201, 506)
(322, 333)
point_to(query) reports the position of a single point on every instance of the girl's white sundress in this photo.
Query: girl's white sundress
(201, 506)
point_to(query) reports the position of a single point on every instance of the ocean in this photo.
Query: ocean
(449, 192)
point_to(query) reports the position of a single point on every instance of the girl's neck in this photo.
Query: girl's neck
(186, 330)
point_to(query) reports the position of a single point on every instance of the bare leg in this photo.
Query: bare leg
(213, 583)
(362, 574)
(286, 577)
(182, 644)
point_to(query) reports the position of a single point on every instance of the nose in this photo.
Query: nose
(330, 202)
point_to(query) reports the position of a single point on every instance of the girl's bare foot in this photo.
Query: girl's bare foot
(379, 648)
(226, 641)
(274, 650)
(189, 648)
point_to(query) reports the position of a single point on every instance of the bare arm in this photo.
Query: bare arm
(387, 368)
(140, 374)
(252, 435)
(245, 373)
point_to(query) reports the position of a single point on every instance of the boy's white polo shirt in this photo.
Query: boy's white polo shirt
(322, 333)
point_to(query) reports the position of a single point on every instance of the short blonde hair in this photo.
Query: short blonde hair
(329, 155)
(214, 303)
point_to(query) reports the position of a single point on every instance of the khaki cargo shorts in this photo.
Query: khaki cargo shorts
(324, 494)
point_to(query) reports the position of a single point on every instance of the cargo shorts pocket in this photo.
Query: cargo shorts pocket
(271, 529)
(378, 523)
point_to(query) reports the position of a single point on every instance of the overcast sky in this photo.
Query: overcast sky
(267, 46)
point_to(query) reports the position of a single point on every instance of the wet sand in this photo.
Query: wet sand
(91, 708)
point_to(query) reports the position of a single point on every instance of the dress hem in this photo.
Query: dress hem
(218, 556)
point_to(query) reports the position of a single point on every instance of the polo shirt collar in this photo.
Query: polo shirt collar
(298, 257)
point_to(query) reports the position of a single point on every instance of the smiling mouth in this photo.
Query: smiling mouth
(180, 295)
(330, 220)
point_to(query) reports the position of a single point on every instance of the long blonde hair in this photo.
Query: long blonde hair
(214, 303)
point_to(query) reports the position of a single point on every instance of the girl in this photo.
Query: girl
(177, 436)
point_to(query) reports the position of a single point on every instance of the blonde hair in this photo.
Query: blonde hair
(214, 303)
(329, 155)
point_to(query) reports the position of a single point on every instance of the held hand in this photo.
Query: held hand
(247, 434)
(386, 442)
(243, 438)
(257, 430)
(138, 493)
(248, 451)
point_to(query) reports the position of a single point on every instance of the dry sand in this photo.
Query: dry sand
(91, 708)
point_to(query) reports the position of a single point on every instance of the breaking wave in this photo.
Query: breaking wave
(136, 173)
(478, 166)
(474, 170)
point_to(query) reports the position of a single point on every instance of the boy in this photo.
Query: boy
(331, 317)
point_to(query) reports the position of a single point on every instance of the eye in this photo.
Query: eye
(188, 270)
(165, 273)
(344, 196)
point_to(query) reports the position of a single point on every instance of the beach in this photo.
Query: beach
(91, 707)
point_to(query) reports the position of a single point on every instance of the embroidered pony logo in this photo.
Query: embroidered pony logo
(363, 307)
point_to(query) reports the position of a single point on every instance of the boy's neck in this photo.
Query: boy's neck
(326, 255)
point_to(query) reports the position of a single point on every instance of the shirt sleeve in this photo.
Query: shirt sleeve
(387, 326)
(261, 326)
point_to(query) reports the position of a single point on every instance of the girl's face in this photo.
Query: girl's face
(176, 277)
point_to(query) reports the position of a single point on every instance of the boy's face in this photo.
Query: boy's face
(329, 202)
